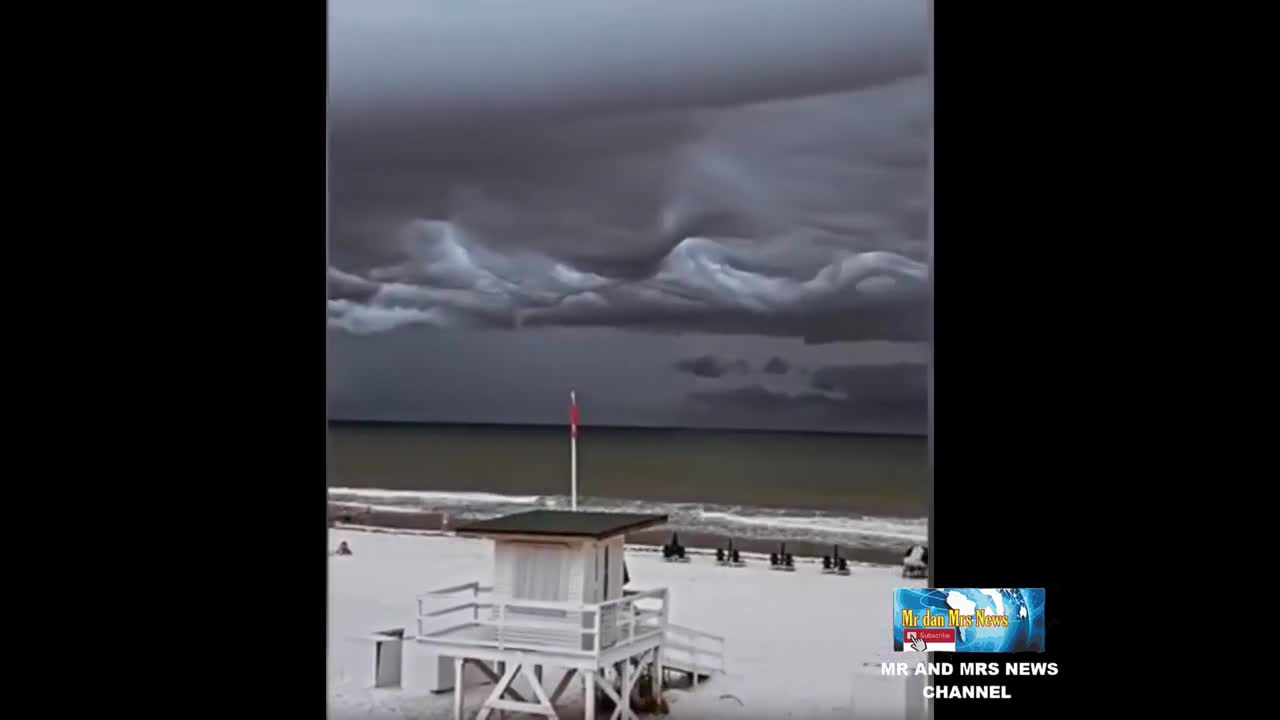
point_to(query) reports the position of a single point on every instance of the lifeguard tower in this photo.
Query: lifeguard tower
(557, 601)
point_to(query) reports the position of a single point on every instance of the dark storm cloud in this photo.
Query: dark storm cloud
(710, 366)
(882, 398)
(759, 400)
(585, 193)
(345, 286)
(873, 383)
(667, 166)
(417, 373)
(735, 408)
(788, 218)
(777, 366)
(396, 65)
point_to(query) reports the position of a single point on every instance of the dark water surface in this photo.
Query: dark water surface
(883, 476)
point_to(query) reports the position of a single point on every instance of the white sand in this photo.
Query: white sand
(798, 645)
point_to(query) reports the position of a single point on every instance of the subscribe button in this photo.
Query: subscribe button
(929, 639)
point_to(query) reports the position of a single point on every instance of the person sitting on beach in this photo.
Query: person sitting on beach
(343, 549)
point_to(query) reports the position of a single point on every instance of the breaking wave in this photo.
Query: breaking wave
(733, 520)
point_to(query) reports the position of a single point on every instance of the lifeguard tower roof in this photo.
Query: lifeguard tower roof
(563, 523)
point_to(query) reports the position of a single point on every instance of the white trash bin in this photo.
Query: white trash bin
(887, 697)
(388, 658)
(916, 709)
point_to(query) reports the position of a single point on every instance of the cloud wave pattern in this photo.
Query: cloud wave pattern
(801, 218)
(458, 283)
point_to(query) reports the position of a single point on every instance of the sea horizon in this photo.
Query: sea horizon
(863, 490)
(585, 428)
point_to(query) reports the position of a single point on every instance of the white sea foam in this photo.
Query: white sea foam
(735, 521)
(366, 507)
(424, 497)
(907, 529)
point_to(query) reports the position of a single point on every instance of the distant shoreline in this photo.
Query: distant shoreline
(345, 516)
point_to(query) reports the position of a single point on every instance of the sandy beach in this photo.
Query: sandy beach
(798, 645)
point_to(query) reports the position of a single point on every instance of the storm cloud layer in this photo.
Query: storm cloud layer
(680, 173)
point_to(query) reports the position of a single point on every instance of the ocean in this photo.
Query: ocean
(865, 493)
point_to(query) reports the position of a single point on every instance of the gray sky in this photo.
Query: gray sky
(708, 214)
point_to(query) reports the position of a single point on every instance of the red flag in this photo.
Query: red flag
(573, 416)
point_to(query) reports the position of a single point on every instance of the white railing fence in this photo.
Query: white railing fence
(626, 619)
(698, 652)
(470, 614)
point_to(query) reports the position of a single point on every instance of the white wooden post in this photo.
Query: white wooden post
(502, 621)
(573, 452)
(657, 673)
(624, 699)
(597, 629)
(457, 688)
(662, 640)
(589, 682)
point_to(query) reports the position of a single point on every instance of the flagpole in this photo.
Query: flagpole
(573, 448)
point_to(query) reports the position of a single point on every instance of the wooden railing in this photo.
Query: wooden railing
(460, 615)
(698, 652)
(612, 616)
